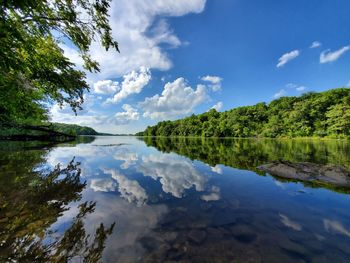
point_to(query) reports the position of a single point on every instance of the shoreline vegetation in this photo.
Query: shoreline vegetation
(312, 115)
(246, 138)
(44, 132)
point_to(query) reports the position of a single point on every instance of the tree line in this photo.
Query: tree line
(324, 114)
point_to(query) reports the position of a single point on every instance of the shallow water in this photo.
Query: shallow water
(187, 200)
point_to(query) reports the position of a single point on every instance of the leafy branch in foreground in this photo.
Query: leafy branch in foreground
(34, 69)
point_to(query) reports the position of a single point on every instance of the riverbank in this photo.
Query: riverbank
(251, 138)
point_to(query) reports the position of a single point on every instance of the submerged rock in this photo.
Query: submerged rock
(309, 172)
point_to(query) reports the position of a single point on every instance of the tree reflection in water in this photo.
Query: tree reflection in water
(32, 199)
(248, 154)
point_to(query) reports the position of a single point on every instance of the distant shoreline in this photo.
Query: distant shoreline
(250, 138)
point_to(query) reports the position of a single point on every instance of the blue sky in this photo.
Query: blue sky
(183, 57)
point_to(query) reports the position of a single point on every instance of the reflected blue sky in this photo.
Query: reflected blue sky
(164, 196)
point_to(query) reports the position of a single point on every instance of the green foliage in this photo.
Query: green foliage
(34, 70)
(312, 114)
(58, 132)
(73, 129)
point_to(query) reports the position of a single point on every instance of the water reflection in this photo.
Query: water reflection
(248, 154)
(176, 174)
(130, 190)
(32, 198)
(185, 204)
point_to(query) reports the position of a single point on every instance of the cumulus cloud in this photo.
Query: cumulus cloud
(87, 117)
(144, 37)
(106, 87)
(315, 44)
(140, 34)
(130, 190)
(102, 185)
(127, 156)
(280, 93)
(177, 99)
(132, 83)
(330, 56)
(336, 227)
(129, 114)
(176, 174)
(289, 223)
(218, 106)
(213, 196)
(217, 169)
(215, 82)
(285, 58)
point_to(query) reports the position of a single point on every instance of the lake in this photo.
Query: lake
(129, 199)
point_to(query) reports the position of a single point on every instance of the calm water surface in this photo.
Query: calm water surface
(128, 199)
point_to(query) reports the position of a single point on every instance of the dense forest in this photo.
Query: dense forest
(324, 114)
(45, 131)
(73, 129)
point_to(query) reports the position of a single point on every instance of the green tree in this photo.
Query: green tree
(34, 69)
(312, 114)
(338, 119)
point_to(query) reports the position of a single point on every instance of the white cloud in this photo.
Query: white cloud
(300, 88)
(139, 32)
(73, 55)
(296, 87)
(134, 223)
(177, 99)
(329, 56)
(163, 34)
(287, 57)
(175, 173)
(217, 169)
(218, 106)
(213, 196)
(289, 223)
(214, 80)
(144, 37)
(132, 83)
(102, 185)
(348, 84)
(86, 117)
(130, 190)
(336, 227)
(315, 44)
(127, 156)
(280, 93)
(124, 117)
(106, 87)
